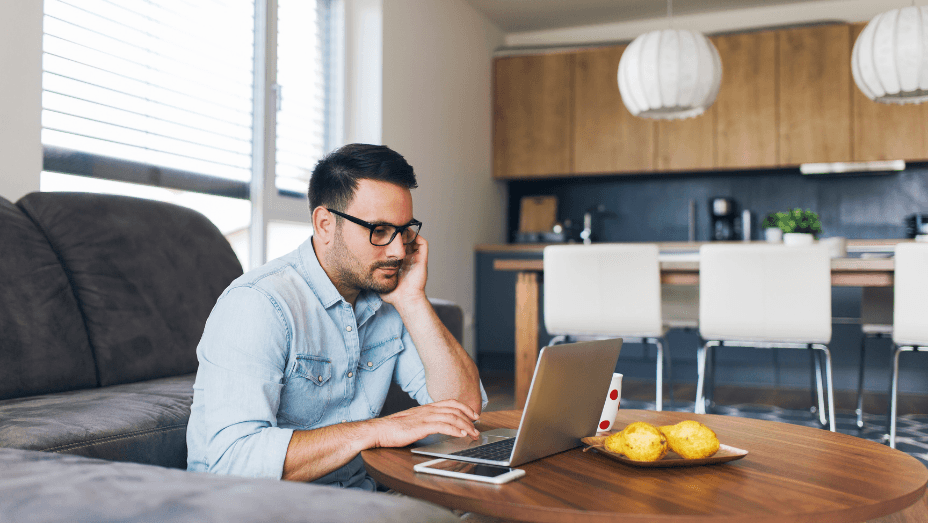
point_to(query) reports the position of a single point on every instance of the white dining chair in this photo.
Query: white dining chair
(910, 303)
(606, 291)
(766, 297)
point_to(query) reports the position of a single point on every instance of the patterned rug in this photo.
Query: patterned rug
(911, 429)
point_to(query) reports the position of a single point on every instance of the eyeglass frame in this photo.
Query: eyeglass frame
(397, 229)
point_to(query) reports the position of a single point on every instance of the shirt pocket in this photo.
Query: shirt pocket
(308, 392)
(375, 371)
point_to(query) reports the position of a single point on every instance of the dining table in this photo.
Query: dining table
(676, 268)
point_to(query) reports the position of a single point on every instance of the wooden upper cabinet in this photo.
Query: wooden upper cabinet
(687, 144)
(787, 97)
(815, 94)
(887, 131)
(746, 107)
(607, 138)
(532, 115)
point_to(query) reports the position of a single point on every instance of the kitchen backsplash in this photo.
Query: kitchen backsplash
(655, 207)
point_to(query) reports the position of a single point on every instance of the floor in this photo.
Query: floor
(788, 406)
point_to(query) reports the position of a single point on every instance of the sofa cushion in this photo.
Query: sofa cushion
(144, 422)
(146, 275)
(43, 344)
(38, 486)
(451, 315)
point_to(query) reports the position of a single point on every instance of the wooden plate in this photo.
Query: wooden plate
(672, 459)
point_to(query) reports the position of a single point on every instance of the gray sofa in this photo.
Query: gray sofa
(102, 303)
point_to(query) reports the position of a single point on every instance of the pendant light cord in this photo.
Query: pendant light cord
(670, 13)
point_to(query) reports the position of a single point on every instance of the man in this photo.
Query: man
(297, 355)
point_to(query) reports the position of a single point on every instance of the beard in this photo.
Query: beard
(351, 273)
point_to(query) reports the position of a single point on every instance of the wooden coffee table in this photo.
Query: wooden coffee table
(791, 474)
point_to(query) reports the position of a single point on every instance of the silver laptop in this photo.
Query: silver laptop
(564, 402)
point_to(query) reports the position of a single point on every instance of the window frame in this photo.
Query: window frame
(268, 202)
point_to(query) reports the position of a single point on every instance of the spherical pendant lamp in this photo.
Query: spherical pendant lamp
(890, 58)
(669, 74)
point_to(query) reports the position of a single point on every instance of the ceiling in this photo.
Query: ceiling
(536, 15)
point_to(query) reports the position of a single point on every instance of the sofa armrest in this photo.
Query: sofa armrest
(42, 486)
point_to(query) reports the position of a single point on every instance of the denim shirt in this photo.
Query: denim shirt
(281, 351)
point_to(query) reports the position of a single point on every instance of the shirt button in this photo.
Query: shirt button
(320, 379)
(348, 328)
(370, 364)
(350, 374)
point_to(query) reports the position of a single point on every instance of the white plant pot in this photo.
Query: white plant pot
(773, 234)
(798, 238)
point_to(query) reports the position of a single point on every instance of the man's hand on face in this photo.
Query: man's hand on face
(449, 417)
(412, 274)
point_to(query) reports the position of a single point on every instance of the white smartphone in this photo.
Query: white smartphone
(475, 471)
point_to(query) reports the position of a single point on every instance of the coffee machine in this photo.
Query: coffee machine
(724, 214)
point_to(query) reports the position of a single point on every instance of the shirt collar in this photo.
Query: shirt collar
(325, 290)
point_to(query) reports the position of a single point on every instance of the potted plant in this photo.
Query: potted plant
(772, 231)
(798, 227)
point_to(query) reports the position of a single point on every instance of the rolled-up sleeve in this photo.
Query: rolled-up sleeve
(243, 357)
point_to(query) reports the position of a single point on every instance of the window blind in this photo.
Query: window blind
(135, 83)
(303, 43)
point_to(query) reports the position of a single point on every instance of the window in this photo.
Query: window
(302, 37)
(158, 99)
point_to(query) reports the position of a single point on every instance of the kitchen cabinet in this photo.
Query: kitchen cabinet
(746, 107)
(814, 66)
(686, 144)
(607, 138)
(887, 131)
(787, 97)
(533, 115)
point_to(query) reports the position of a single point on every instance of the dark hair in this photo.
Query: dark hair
(335, 178)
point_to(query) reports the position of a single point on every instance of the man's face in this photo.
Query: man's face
(357, 264)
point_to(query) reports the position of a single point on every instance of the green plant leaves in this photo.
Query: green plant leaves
(794, 220)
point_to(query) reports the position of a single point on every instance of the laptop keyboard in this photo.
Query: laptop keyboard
(496, 451)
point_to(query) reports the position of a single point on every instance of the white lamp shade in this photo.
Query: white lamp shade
(669, 74)
(890, 58)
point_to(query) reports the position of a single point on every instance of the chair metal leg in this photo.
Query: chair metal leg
(699, 406)
(818, 387)
(813, 383)
(702, 356)
(860, 382)
(893, 389)
(659, 393)
(710, 378)
(829, 384)
(669, 370)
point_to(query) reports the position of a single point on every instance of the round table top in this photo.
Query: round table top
(791, 473)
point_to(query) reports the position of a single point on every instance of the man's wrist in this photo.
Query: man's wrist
(409, 303)
(368, 434)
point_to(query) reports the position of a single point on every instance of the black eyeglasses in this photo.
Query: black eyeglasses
(382, 234)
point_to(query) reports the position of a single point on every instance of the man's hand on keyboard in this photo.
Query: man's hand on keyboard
(449, 417)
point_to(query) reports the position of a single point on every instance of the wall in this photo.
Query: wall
(716, 22)
(436, 112)
(656, 207)
(20, 97)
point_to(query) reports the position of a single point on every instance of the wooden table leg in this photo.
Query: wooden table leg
(526, 334)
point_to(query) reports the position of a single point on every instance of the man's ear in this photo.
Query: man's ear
(323, 225)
